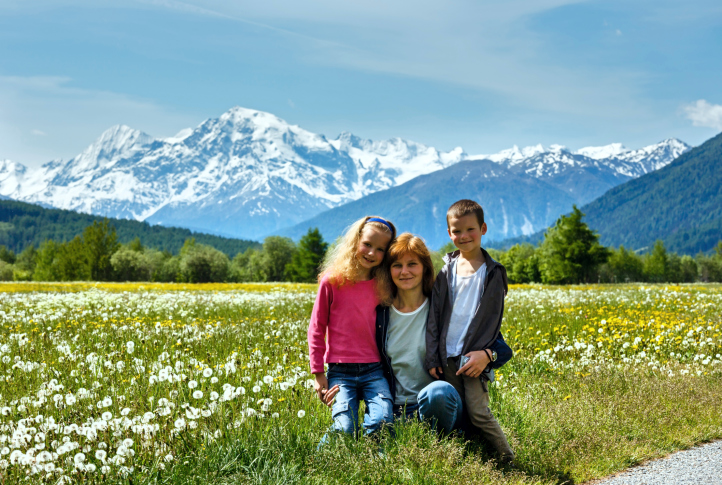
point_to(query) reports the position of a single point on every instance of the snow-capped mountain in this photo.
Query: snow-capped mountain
(588, 172)
(244, 174)
(522, 190)
(249, 174)
(11, 175)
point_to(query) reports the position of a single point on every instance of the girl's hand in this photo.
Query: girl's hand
(325, 395)
(478, 360)
(320, 385)
(329, 395)
(436, 372)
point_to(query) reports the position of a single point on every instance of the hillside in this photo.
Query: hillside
(511, 200)
(681, 204)
(22, 224)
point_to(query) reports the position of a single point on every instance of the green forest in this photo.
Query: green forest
(22, 225)
(570, 253)
(98, 255)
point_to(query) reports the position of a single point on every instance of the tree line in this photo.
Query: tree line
(96, 255)
(569, 253)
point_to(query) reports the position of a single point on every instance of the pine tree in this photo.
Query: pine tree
(304, 265)
(571, 251)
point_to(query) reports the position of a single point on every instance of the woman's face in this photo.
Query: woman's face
(372, 247)
(407, 272)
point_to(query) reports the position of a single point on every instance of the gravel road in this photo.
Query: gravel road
(699, 466)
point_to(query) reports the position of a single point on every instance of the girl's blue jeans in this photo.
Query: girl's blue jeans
(358, 382)
(439, 404)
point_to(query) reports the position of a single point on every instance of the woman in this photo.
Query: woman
(401, 339)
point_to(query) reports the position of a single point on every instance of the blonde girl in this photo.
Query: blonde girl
(342, 328)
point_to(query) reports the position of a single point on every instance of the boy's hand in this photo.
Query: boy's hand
(436, 372)
(478, 360)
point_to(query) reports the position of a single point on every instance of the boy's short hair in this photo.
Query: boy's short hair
(464, 207)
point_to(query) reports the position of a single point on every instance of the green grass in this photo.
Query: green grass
(571, 414)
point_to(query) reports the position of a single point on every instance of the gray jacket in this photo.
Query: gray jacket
(485, 325)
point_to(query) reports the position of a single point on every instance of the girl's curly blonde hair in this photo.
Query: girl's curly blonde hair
(341, 267)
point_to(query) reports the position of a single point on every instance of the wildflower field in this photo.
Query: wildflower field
(150, 383)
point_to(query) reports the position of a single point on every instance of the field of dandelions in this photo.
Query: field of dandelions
(149, 383)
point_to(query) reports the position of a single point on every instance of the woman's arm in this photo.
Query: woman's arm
(432, 363)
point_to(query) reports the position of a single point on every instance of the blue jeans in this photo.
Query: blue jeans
(357, 382)
(439, 404)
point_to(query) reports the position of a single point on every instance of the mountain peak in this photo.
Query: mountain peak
(120, 138)
(239, 115)
(606, 151)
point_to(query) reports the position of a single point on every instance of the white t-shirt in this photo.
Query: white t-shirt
(466, 294)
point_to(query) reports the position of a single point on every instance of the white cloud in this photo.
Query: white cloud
(702, 113)
(37, 132)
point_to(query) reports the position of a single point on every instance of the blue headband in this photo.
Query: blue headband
(385, 223)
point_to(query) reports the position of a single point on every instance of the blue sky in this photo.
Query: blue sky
(484, 75)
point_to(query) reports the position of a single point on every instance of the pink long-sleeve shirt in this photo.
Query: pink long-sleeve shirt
(342, 325)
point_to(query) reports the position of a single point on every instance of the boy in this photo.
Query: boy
(465, 320)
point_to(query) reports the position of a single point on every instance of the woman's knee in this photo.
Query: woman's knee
(438, 392)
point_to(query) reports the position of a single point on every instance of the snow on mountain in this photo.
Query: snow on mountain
(249, 173)
(244, 174)
(606, 151)
(395, 161)
(588, 172)
(11, 176)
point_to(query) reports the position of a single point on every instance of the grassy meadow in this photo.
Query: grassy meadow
(209, 384)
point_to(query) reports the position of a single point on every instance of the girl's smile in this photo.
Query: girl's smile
(372, 247)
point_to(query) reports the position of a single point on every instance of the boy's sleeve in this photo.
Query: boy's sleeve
(318, 326)
(503, 352)
(432, 327)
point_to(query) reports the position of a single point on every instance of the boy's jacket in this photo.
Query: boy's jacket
(502, 349)
(485, 325)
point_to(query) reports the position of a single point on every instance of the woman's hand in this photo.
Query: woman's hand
(436, 372)
(478, 360)
(320, 386)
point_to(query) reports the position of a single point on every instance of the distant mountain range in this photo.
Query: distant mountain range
(249, 174)
(680, 204)
(522, 191)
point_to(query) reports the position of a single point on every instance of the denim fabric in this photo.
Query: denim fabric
(439, 404)
(360, 382)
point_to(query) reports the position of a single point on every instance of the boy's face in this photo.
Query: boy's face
(465, 232)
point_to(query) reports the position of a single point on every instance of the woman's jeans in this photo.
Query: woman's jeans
(439, 404)
(357, 382)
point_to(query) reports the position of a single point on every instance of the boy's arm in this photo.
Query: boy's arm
(432, 327)
(503, 352)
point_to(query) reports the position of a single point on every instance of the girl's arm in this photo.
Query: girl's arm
(318, 326)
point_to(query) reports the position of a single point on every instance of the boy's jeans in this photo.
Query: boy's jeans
(357, 382)
(439, 404)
